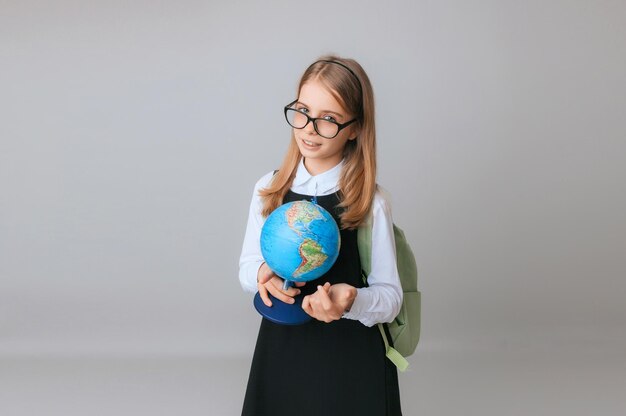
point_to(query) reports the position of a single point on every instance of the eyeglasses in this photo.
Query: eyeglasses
(324, 126)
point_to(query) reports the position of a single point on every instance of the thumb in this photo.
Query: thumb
(264, 274)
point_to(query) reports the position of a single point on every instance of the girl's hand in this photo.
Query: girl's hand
(329, 302)
(268, 282)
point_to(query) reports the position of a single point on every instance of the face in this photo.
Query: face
(321, 154)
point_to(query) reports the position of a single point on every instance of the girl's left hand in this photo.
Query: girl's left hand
(329, 302)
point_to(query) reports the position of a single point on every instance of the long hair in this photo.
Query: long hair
(357, 183)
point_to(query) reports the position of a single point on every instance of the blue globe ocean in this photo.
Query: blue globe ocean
(300, 241)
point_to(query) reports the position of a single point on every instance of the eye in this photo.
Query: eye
(330, 118)
(302, 109)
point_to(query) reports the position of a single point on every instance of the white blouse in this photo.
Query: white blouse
(381, 301)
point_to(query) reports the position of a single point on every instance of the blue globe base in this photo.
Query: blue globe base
(282, 313)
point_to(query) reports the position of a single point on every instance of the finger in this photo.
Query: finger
(279, 294)
(306, 305)
(279, 284)
(325, 301)
(265, 273)
(264, 297)
(300, 284)
(312, 305)
(292, 291)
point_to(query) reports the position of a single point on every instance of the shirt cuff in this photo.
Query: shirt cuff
(359, 306)
(248, 279)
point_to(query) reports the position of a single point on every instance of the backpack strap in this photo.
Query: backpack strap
(364, 241)
(394, 356)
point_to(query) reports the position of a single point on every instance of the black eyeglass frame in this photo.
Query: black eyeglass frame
(314, 121)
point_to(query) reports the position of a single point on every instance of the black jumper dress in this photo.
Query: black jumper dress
(323, 369)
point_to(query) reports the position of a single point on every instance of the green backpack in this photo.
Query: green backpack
(405, 328)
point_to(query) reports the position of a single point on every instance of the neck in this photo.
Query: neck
(317, 166)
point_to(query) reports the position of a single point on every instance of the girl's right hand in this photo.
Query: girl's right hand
(268, 282)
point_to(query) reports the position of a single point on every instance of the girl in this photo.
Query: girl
(335, 364)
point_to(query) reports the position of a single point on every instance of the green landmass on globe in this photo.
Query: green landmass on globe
(310, 251)
(312, 257)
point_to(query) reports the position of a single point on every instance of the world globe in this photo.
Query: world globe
(300, 241)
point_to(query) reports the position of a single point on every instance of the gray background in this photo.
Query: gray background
(131, 135)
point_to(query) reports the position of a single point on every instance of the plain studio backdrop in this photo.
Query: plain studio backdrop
(132, 133)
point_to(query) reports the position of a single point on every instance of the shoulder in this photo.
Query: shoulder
(382, 201)
(263, 181)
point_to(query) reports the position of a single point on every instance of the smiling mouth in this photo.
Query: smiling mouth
(310, 143)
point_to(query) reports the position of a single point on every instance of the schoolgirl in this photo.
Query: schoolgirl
(335, 364)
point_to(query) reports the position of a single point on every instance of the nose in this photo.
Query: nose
(310, 128)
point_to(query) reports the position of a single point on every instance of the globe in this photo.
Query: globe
(300, 241)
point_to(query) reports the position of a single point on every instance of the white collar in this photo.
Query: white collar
(322, 184)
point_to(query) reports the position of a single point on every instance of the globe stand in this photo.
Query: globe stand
(280, 312)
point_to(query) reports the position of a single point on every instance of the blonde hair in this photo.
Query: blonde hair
(357, 183)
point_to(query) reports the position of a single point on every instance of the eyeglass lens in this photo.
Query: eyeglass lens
(323, 127)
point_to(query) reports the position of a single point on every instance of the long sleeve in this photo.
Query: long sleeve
(251, 258)
(382, 299)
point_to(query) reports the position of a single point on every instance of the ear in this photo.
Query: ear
(354, 133)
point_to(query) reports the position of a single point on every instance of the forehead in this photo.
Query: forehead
(316, 95)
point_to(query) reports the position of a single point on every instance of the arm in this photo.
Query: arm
(382, 300)
(251, 259)
(254, 274)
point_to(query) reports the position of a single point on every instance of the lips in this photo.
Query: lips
(310, 143)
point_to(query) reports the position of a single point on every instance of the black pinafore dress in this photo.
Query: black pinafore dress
(323, 369)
